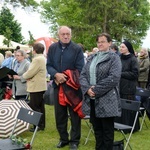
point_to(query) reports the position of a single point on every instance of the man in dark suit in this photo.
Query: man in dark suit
(64, 55)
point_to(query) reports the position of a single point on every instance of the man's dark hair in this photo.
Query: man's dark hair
(106, 35)
(38, 48)
(17, 47)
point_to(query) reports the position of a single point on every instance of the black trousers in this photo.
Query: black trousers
(37, 104)
(61, 116)
(103, 130)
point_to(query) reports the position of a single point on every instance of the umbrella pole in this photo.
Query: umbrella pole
(14, 128)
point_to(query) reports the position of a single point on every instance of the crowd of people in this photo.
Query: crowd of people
(84, 84)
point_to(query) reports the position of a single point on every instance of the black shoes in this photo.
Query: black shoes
(62, 144)
(73, 146)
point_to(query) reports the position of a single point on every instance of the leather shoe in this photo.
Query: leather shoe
(62, 144)
(73, 146)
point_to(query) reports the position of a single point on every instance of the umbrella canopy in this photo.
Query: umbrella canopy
(9, 110)
(13, 45)
(46, 41)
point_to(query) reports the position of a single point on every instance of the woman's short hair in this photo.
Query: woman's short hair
(38, 48)
(8, 53)
(22, 52)
(108, 37)
(145, 51)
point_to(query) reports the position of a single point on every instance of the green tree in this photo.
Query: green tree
(123, 19)
(7, 35)
(7, 21)
(32, 40)
(57, 12)
(24, 3)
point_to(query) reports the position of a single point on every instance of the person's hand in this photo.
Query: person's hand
(60, 78)
(90, 92)
(9, 76)
(16, 77)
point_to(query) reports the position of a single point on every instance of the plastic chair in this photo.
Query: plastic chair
(25, 115)
(132, 106)
(144, 94)
(143, 115)
(86, 119)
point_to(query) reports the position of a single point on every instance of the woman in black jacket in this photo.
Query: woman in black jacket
(128, 82)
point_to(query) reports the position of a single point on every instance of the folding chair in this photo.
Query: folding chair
(133, 106)
(144, 94)
(25, 115)
(87, 118)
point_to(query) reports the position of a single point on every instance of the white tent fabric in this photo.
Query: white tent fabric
(13, 45)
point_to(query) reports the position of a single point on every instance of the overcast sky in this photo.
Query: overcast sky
(146, 41)
(31, 22)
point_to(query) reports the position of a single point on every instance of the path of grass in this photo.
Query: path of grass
(47, 139)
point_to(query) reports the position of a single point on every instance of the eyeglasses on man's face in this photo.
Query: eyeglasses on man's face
(63, 34)
(102, 42)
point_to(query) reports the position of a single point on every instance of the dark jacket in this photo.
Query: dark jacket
(129, 75)
(59, 60)
(108, 72)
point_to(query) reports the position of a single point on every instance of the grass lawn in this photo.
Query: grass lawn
(48, 139)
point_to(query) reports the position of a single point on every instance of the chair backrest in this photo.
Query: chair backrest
(142, 92)
(29, 116)
(130, 104)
